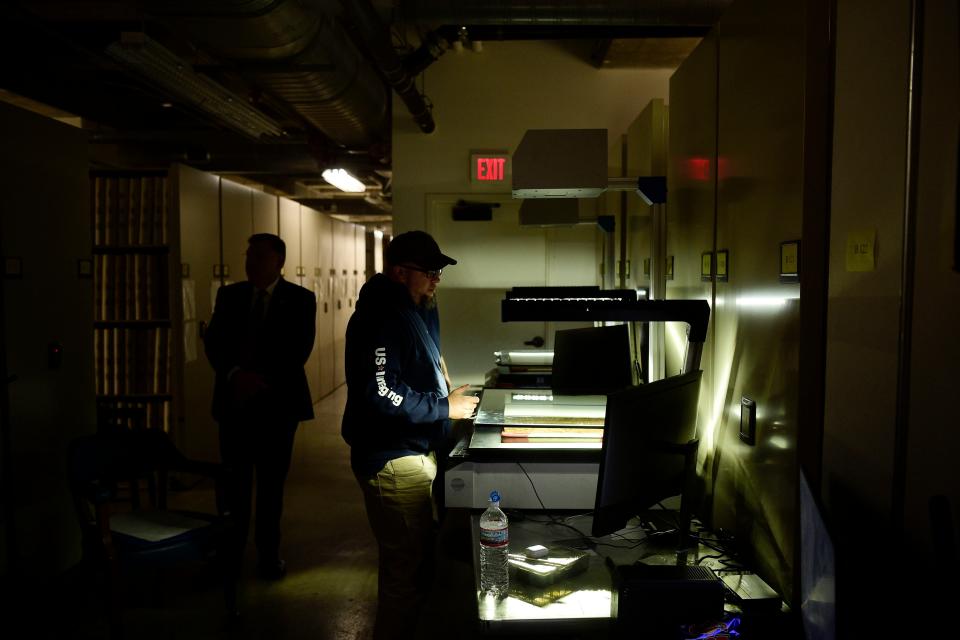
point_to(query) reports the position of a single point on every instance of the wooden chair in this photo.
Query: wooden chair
(123, 534)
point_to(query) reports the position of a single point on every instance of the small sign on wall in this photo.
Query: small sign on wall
(790, 261)
(706, 266)
(861, 250)
(490, 168)
(723, 265)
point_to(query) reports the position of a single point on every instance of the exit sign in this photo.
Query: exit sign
(490, 167)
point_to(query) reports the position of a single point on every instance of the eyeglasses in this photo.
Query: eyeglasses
(433, 274)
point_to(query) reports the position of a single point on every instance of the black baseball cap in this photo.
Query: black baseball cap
(419, 248)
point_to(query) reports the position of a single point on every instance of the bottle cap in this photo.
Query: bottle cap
(494, 496)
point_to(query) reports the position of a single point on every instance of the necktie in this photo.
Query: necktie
(254, 322)
(258, 311)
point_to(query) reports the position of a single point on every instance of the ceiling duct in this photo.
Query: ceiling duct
(562, 13)
(376, 37)
(303, 58)
(151, 60)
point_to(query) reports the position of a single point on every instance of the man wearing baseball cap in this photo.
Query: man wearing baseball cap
(398, 412)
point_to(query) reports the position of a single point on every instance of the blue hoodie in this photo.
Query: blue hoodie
(396, 392)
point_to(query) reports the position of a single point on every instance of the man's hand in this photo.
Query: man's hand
(462, 406)
(247, 384)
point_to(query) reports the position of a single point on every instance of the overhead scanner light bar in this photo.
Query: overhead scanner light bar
(518, 306)
(341, 179)
(171, 73)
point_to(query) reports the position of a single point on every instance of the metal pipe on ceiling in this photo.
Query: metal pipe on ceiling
(376, 37)
(315, 67)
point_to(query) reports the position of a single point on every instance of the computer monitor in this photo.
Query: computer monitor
(592, 361)
(649, 451)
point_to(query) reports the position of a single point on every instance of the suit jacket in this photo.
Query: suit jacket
(282, 346)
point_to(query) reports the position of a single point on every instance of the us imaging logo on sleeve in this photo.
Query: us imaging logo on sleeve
(380, 360)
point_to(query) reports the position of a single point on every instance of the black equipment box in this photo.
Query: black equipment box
(652, 596)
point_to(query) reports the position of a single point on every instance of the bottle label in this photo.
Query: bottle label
(494, 537)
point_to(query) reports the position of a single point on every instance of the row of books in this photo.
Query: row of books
(131, 287)
(129, 210)
(132, 361)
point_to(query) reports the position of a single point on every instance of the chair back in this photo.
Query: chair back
(110, 467)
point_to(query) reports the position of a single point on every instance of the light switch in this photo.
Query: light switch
(748, 420)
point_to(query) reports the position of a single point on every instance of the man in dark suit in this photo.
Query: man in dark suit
(259, 338)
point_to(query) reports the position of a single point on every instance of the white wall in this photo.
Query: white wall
(735, 184)
(488, 100)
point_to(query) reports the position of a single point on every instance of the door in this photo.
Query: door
(325, 302)
(492, 257)
(265, 212)
(343, 257)
(309, 226)
(360, 259)
(236, 229)
(290, 234)
(200, 254)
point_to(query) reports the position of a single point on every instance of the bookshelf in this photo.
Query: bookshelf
(134, 300)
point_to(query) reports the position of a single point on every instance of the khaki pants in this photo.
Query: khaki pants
(400, 509)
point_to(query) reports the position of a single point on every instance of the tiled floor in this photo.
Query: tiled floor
(330, 589)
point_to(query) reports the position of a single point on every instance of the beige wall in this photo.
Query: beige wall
(756, 317)
(868, 196)
(890, 426)
(871, 461)
(736, 153)
(488, 100)
(934, 436)
(691, 208)
(45, 221)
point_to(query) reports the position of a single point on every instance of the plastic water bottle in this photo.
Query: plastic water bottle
(494, 544)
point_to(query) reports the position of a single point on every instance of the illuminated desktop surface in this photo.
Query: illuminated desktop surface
(519, 420)
(580, 603)
(541, 449)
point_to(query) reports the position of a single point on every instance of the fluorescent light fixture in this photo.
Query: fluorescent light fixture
(764, 301)
(761, 301)
(341, 179)
(173, 74)
(779, 442)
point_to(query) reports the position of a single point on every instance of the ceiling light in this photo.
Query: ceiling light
(174, 75)
(342, 180)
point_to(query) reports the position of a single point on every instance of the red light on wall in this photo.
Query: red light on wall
(490, 169)
(698, 169)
